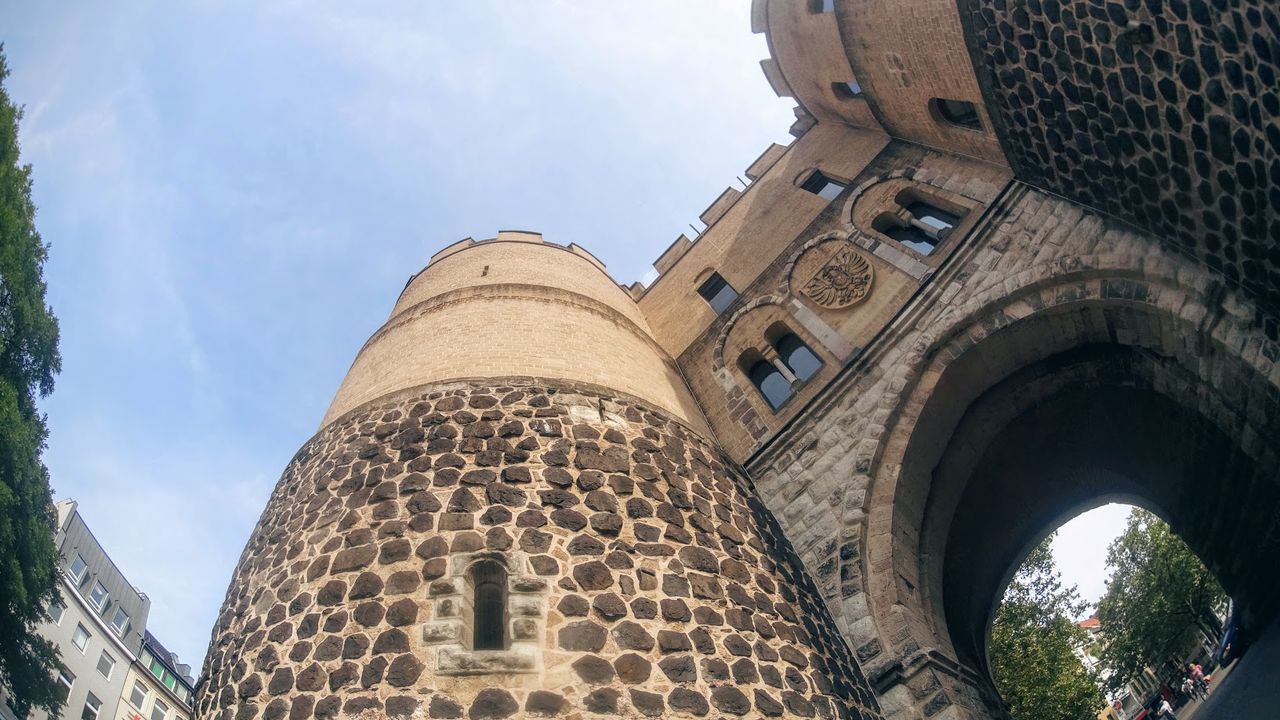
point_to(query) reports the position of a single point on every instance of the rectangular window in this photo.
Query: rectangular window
(822, 6)
(80, 638)
(65, 681)
(170, 680)
(106, 664)
(157, 668)
(56, 611)
(822, 186)
(120, 622)
(159, 710)
(718, 293)
(92, 705)
(139, 694)
(79, 568)
(98, 595)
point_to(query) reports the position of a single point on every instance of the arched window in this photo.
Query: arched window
(797, 356)
(911, 236)
(847, 90)
(934, 217)
(489, 606)
(718, 293)
(957, 112)
(769, 381)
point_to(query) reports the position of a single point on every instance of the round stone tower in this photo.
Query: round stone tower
(513, 508)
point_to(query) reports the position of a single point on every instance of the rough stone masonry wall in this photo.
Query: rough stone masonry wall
(646, 578)
(1163, 112)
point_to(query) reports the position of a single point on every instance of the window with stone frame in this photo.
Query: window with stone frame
(794, 353)
(960, 113)
(822, 6)
(718, 293)
(767, 378)
(920, 221)
(848, 90)
(822, 185)
(488, 580)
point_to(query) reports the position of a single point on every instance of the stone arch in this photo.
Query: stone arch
(1193, 347)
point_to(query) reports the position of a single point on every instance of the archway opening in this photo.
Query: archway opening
(1110, 611)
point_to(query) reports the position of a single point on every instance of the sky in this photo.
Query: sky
(235, 192)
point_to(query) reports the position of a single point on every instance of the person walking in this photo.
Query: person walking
(1197, 679)
(1166, 710)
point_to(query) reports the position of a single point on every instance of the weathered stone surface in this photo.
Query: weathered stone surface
(593, 670)
(404, 671)
(492, 704)
(679, 668)
(443, 707)
(583, 636)
(544, 703)
(632, 668)
(690, 701)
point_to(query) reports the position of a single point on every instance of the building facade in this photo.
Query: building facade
(99, 630)
(1019, 261)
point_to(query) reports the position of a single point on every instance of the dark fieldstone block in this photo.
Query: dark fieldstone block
(492, 704)
(391, 641)
(649, 704)
(632, 668)
(730, 699)
(685, 700)
(354, 647)
(593, 575)
(344, 675)
(311, 679)
(569, 519)
(632, 636)
(675, 610)
(679, 668)
(443, 707)
(402, 612)
(573, 606)
(609, 606)
(367, 585)
(582, 544)
(281, 681)
(404, 670)
(402, 705)
(593, 670)
(354, 558)
(796, 704)
(582, 636)
(603, 701)
(545, 703)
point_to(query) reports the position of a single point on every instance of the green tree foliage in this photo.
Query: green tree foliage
(1158, 597)
(28, 361)
(1032, 646)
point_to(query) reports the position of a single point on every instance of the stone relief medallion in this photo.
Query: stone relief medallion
(842, 280)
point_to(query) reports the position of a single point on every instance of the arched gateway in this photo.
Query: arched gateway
(791, 477)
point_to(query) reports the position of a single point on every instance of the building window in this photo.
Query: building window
(98, 595)
(56, 611)
(65, 681)
(957, 112)
(770, 382)
(822, 186)
(138, 697)
(907, 234)
(92, 705)
(159, 710)
(921, 223)
(935, 217)
(489, 605)
(847, 90)
(80, 638)
(79, 569)
(797, 356)
(822, 6)
(120, 622)
(718, 293)
(106, 664)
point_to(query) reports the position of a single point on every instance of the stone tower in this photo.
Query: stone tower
(514, 508)
(1020, 260)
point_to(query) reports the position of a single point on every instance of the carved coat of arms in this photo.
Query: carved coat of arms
(843, 280)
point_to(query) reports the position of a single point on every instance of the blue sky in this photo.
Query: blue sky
(235, 192)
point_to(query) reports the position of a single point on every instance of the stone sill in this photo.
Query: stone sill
(460, 661)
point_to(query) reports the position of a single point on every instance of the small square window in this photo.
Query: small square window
(65, 681)
(79, 568)
(106, 664)
(80, 638)
(56, 611)
(717, 292)
(822, 186)
(847, 90)
(98, 595)
(822, 6)
(139, 694)
(92, 706)
(120, 622)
